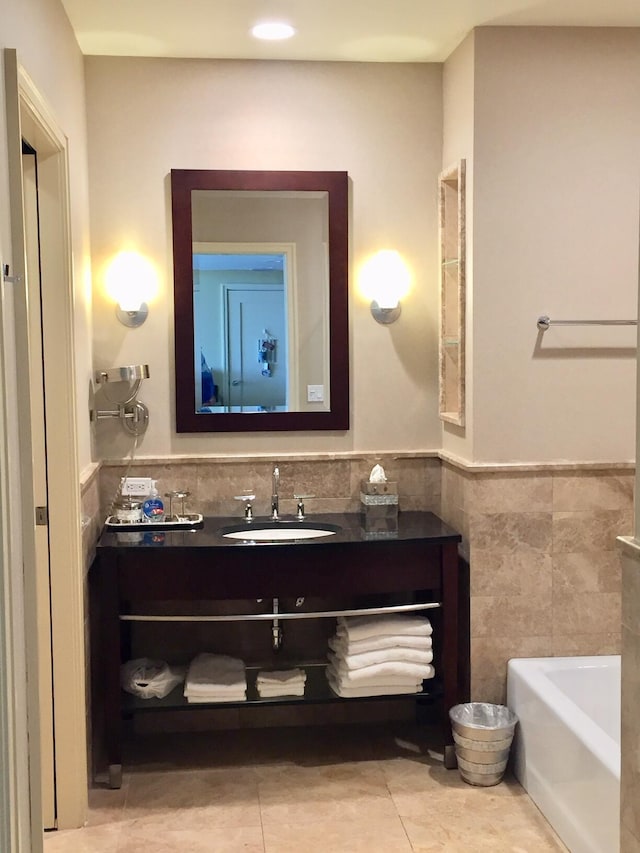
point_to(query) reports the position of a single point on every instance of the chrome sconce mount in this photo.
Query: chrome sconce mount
(132, 413)
(385, 316)
(134, 318)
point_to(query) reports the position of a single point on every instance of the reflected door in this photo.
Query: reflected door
(256, 349)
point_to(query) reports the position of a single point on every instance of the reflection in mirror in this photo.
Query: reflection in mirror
(260, 274)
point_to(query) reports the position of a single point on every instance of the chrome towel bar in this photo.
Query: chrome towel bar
(544, 322)
(252, 617)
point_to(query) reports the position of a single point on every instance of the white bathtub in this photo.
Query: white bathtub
(566, 750)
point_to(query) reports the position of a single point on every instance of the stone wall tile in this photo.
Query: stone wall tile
(511, 531)
(585, 612)
(507, 574)
(587, 491)
(587, 571)
(594, 530)
(500, 493)
(513, 616)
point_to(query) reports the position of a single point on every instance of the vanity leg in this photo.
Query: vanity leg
(450, 645)
(110, 670)
(450, 761)
(115, 776)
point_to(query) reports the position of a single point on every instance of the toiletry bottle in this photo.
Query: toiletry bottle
(153, 508)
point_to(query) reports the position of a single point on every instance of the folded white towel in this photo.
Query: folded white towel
(282, 677)
(273, 692)
(239, 696)
(395, 654)
(371, 680)
(398, 669)
(218, 672)
(347, 692)
(361, 627)
(340, 642)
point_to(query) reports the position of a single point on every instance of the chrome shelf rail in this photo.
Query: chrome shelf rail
(253, 617)
(544, 322)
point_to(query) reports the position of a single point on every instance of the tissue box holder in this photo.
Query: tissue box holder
(379, 506)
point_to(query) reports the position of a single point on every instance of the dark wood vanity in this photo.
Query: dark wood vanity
(167, 576)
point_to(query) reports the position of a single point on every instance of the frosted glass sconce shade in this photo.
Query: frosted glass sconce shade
(131, 280)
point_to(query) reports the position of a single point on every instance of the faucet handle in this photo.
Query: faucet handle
(300, 499)
(248, 510)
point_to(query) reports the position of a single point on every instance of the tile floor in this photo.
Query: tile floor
(317, 790)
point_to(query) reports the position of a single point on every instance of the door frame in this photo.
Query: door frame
(29, 116)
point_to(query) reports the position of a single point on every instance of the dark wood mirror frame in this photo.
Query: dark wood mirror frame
(183, 182)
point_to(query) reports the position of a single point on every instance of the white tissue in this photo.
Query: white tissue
(377, 475)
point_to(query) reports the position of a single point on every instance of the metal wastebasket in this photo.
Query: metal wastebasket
(482, 734)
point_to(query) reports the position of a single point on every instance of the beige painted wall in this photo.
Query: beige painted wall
(40, 32)
(457, 144)
(556, 188)
(380, 122)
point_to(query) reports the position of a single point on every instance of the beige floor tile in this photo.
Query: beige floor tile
(343, 790)
(382, 835)
(198, 799)
(137, 838)
(89, 839)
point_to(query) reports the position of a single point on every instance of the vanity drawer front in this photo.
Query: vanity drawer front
(303, 570)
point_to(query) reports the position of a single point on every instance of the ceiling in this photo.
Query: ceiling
(337, 30)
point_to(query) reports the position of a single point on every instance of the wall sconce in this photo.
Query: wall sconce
(133, 414)
(384, 279)
(131, 280)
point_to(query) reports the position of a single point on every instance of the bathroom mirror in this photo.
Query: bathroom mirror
(260, 300)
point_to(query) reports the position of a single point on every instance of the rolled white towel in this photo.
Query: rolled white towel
(340, 642)
(219, 672)
(348, 692)
(393, 655)
(399, 669)
(361, 627)
(282, 677)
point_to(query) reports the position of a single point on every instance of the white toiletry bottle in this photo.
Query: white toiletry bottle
(153, 508)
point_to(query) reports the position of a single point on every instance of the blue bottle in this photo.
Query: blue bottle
(153, 508)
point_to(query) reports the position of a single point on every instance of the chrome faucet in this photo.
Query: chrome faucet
(275, 500)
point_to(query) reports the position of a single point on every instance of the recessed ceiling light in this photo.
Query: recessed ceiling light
(272, 30)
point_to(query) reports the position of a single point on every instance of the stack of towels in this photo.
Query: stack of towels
(284, 682)
(380, 655)
(215, 678)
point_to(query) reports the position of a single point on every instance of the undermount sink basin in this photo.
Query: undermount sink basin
(278, 531)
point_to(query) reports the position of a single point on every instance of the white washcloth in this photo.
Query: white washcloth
(385, 656)
(398, 669)
(284, 690)
(282, 677)
(361, 627)
(215, 673)
(371, 644)
(372, 690)
(239, 696)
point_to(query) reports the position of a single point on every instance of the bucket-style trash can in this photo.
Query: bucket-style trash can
(482, 733)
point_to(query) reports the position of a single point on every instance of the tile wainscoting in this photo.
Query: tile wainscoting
(335, 480)
(544, 562)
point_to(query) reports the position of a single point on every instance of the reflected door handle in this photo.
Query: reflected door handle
(236, 381)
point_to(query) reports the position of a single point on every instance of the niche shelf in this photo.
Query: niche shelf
(452, 293)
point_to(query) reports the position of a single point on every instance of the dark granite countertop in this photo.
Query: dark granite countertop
(412, 526)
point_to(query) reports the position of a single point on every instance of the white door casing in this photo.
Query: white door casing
(29, 117)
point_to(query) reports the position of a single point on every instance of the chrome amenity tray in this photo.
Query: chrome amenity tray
(191, 521)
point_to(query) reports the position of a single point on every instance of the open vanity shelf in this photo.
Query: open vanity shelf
(317, 690)
(225, 591)
(452, 294)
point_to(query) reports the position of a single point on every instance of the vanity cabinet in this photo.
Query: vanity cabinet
(166, 577)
